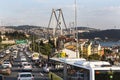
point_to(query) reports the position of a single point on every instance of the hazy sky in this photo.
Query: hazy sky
(100, 14)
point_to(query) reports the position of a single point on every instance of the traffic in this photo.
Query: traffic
(20, 63)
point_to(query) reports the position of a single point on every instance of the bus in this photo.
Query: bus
(90, 70)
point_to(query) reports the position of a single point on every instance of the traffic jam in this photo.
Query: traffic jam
(20, 63)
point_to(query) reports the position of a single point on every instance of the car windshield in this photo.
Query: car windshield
(25, 75)
(26, 64)
(4, 67)
(6, 63)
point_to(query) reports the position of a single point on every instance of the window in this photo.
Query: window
(25, 75)
(78, 73)
(107, 75)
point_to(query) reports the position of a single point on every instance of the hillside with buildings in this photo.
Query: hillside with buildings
(84, 32)
(112, 34)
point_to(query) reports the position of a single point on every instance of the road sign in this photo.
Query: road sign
(21, 41)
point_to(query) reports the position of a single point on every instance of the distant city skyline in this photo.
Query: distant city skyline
(99, 14)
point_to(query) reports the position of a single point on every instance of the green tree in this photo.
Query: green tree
(103, 57)
(15, 35)
(94, 57)
(107, 51)
(85, 56)
(0, 39)
(46, 49)
(51, 43)
(41, 43)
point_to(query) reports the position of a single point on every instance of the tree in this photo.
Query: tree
(103, 57)
(45, 49)
(0, 39)
(41, 42)
(51, 42)
(15, 35)
(107, 51)
(94, 57)
(84, 56)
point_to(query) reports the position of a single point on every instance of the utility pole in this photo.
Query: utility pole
(77, 45)
(33, 42)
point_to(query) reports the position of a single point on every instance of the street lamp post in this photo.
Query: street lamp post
(77, 51)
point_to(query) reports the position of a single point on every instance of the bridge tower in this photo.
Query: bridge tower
(58, 22)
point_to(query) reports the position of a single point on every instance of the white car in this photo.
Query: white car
(26, 66)
(25, 76)
(7, 64)
(14, 55)
(23, 59)
(7, 51)
(46, 68)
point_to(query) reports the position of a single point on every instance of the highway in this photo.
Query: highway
(37, 71)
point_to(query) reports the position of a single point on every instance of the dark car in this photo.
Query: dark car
(1, 77)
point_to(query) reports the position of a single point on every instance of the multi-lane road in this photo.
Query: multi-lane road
(38, 72)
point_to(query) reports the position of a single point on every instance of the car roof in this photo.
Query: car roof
(24, 62)
(25, 73)
(6, 62)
